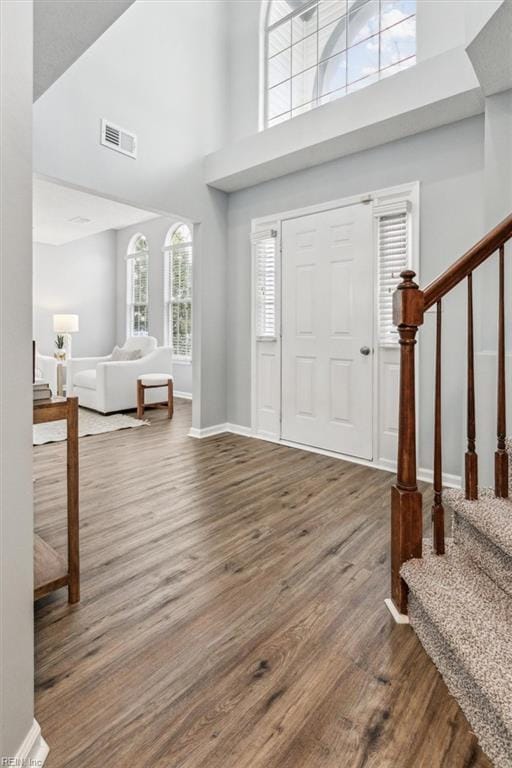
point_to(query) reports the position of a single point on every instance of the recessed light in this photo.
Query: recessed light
(79, 220)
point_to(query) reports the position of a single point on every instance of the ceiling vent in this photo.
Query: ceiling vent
(117, 138)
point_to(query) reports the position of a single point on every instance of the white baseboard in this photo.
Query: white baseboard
(426, 475)
(450, 481)
(217, 429)
(400, 618)
(183, 395)
(34, 749)
(237, 429)
(270, 437)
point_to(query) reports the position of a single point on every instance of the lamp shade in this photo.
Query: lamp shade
(65, 323)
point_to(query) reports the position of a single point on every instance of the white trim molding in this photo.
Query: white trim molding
(219, 429)
(400, 618)
(183, 395)
(449, 481)
(216, 429)
(266, 362)
(33, 750)
(424, 475)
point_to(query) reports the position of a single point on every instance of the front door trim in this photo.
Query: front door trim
(376, 198)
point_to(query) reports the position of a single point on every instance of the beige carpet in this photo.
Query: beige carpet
(89, 423)
(460, 606)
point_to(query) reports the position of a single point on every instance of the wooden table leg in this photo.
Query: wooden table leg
(140, 400)
(170, 398)
(73, 521)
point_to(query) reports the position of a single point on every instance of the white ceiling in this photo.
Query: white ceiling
(55, 205)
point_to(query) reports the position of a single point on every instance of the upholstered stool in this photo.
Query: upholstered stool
(152, 381)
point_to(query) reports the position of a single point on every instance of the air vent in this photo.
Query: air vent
(117, 138)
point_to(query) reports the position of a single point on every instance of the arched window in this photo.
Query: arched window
(319, 50)
(178, 290)
(137, 278)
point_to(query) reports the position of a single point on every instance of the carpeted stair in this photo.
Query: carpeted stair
(460, 605)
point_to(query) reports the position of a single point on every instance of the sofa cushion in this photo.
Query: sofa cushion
(85, 379)
(120, 354)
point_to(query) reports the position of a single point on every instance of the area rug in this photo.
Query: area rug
(89, 423)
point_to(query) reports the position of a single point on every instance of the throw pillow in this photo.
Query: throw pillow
(119, 354)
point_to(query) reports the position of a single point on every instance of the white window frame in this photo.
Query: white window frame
(168, 251)
(318, 99)
(131, 255)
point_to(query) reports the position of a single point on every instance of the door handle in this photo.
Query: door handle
(365, 350)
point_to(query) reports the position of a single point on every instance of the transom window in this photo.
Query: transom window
(319, 50)
(137, 279)
(178, 290)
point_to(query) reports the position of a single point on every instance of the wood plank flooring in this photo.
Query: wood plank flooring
(232, 613)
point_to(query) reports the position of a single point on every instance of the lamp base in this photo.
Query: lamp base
(67, 346)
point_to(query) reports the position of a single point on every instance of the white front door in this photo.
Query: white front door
(327, 326)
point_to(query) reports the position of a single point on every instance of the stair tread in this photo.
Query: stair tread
(473, 615)
(489, 515)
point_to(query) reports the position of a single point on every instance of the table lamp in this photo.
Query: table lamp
(66, 325)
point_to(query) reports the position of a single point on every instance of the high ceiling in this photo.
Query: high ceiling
(63, 30)
(63, 214)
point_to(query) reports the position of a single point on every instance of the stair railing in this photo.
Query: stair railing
(409, 307)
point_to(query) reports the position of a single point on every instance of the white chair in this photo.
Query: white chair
(107, 385)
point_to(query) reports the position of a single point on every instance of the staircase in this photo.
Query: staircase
(458, 593)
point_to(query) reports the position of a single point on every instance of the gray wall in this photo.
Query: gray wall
(77, 278)
(16, 516)
(498, 204)
(178, 108)
(155, 231)
(449, 164)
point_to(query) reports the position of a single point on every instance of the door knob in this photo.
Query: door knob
(365, 350)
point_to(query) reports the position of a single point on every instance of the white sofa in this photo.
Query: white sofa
(105, 385)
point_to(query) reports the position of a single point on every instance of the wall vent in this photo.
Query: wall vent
(117, 138)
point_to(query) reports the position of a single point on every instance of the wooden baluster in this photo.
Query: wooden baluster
(471, 458)
(406, 501)
(437, 507)
(501, 455)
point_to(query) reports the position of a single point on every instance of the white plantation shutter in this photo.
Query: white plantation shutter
(393, 230)
(265, 253)
(137, 287)
(178, 290)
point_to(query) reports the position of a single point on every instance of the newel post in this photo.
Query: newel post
(406, 502)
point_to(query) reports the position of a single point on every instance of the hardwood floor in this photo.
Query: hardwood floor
(232, 613)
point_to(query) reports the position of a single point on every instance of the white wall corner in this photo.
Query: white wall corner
(34, 749)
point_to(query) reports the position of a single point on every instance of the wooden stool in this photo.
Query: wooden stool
(152, 381)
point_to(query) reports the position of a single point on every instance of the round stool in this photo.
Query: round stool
(152, 381)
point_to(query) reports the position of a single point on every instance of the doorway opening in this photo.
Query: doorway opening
(109, 264)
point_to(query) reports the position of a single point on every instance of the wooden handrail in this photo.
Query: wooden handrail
(409, 307)
(472, 259)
